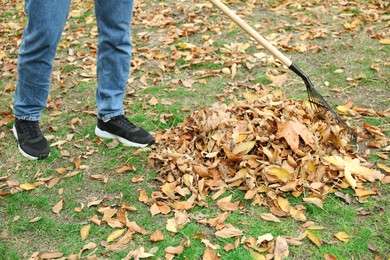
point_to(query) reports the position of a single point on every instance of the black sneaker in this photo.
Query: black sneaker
(126, 132)
(31, 142)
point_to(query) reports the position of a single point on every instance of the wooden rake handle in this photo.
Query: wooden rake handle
(260, 39)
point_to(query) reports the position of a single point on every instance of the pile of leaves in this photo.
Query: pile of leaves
(268, 147)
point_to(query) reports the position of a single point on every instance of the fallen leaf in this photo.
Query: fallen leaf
(291, 131)
(315, 201)
(280, 172)
(265, 237)
(384, 41)
(84, 232)
(281, 248)
(330, 257)
(210, 254)
(52, 255)
(229, 231)
(89, 246)
(314, 238)
(174, 250)
(27, 186)
(153, 101)
(124, 168)
(115, 235)
(171, 225)
(342, 236)
(35, 219)
(58, 207)
(225, 204)
(269, 217)
(157, 236)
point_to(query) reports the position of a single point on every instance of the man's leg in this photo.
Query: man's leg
(113, 67)
(46, 21)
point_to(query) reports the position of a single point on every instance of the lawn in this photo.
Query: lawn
(99, 199)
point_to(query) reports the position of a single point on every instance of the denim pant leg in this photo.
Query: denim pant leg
(114, 55)
(46, 21)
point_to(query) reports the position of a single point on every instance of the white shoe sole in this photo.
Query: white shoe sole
(30, 157)
(106, 135)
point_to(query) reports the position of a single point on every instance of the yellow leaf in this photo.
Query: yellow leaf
(169, 189)
(257, 256)
(84, 232)
(348, 176)
(384, 167)
(280, 172)
(315, 227)
(314, 238)
(114, 235)
(297, 215)
(384, 41)
(240, 175)
(185, 45)
(284, 204)
(27, 186)
(336, 160)
(342, 236)
(343, 109)
(244, 147)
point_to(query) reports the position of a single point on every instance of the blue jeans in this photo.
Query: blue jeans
(46, 21)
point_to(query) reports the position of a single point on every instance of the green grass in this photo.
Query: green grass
(354, 51)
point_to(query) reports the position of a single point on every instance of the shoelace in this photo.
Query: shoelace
(31, 128)
(123, 121)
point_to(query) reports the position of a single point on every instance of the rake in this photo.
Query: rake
(317, 102)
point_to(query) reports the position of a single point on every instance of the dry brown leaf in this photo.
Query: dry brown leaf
(269, 217)
(291, 131)
(281, 248)
(89, 246)
(143, 197)
(35, 219)
(134, 226)
(94, 203)
(153, 101)
(124, 168)
(52, 255)
(157, 236)
(315, 201)
(174, 250)
(229, 231)
(225, 204)
(210, 254)
(330, 257)
(58, 207)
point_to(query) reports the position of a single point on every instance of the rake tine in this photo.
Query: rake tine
(315, 99)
